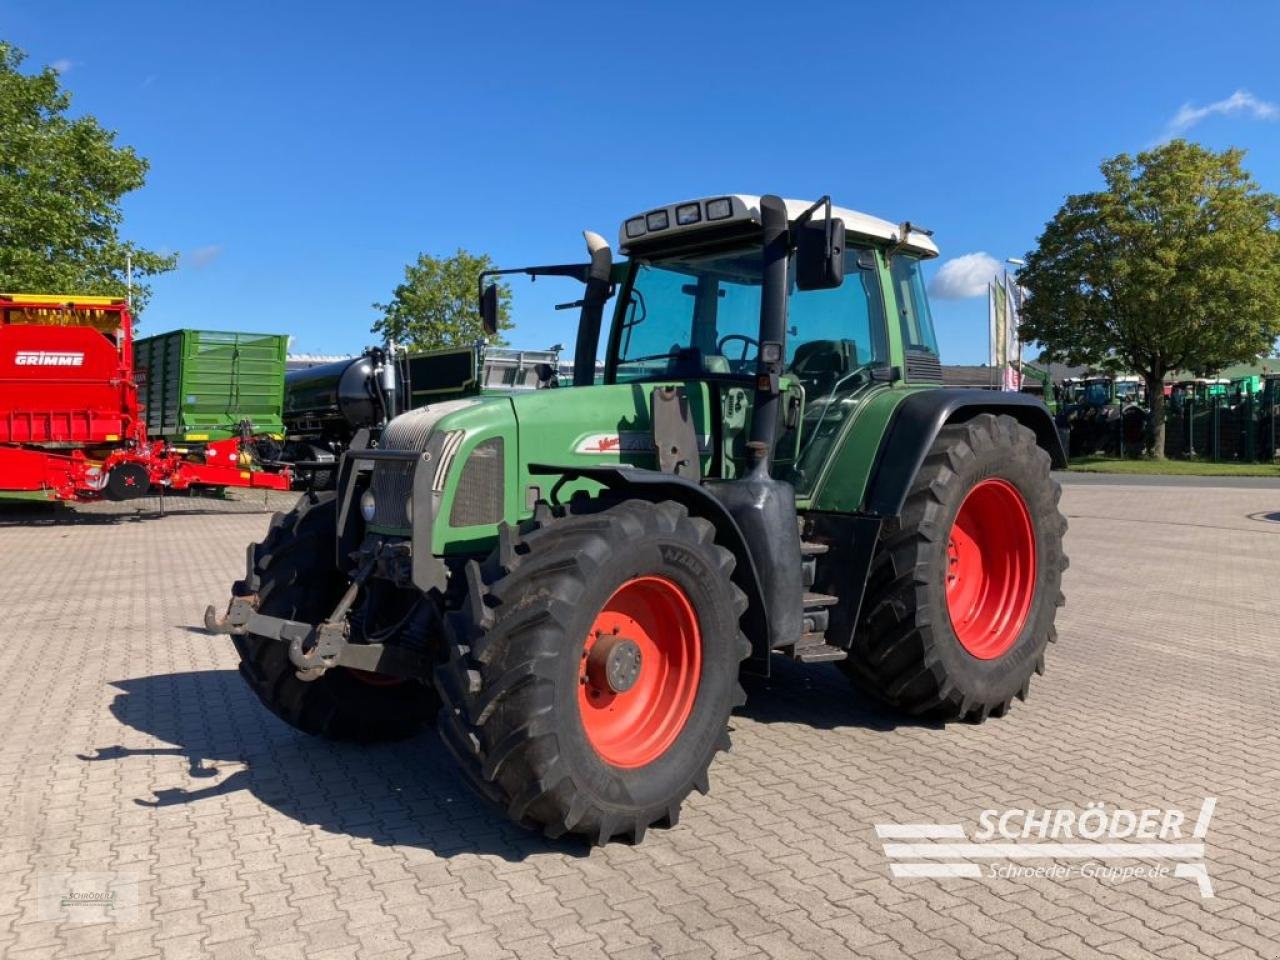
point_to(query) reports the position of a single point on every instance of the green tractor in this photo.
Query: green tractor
(575, 580)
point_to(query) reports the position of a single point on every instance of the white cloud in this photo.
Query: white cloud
(965, 276)
(1242, 101)
(200, 257)
(63, 65)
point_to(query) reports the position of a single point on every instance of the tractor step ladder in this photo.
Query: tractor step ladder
(812, 646)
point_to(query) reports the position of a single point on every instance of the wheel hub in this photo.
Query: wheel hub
(991, 568)
(614, 664)
(638, 677)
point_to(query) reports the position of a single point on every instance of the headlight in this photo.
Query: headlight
(721, 209)
(368, 506)
(657, 220)
(408, 508)
(687, 214)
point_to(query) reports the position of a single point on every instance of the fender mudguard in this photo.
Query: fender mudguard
(655, 486)
(915, 426)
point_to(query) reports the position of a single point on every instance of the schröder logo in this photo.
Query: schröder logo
(1090, 840)
(48, 358)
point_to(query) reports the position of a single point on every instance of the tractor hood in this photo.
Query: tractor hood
(487, 458)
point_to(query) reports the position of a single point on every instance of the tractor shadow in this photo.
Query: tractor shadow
(224, 742)
(818, 696)
(145, 509)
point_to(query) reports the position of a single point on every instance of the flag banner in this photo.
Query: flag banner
(1013, 342)
(1000, 310)
(992, 338)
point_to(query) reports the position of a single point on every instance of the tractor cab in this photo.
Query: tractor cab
(1126, 390)
(702, 299)
(1199, 390)
(1106, 390)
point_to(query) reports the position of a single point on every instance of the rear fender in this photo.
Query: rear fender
(917, 421)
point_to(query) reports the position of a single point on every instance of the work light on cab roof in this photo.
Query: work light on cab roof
(687, 217)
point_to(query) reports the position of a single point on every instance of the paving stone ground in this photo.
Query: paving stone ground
(135, 763)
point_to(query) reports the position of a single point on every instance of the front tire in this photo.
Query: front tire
(965, 583)
(593, 668)
(295, 578)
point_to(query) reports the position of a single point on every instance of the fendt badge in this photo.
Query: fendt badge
(47, 358)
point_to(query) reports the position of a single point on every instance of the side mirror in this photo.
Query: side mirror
(819, 256)
(489, 309)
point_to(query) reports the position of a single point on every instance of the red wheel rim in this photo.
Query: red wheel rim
(991, 568)
(651, 618)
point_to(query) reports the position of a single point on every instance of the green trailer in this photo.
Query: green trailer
(201, 385)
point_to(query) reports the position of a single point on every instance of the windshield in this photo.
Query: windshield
(700, 315)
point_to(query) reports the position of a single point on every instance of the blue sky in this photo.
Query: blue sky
(303, 152)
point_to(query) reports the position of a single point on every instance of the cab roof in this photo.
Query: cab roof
(729, 208)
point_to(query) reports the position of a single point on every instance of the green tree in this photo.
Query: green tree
(1174, 266)
(437, 306)
(61, 181)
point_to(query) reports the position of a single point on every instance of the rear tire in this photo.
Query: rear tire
(516, 689)
(907, 649)
(295, 578)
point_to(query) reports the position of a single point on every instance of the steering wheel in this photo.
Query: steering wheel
(747, 343)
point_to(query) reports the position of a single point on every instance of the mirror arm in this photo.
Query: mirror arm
(823, 201)
(577, 271)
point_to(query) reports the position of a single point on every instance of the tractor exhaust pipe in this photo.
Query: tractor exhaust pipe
(765, 508)
(773, 325)
(593, 301)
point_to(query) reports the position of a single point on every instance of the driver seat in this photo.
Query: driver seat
(820, 364)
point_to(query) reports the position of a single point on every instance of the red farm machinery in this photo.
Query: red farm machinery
(71, 426)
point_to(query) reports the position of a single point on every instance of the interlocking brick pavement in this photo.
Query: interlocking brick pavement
(133, 751)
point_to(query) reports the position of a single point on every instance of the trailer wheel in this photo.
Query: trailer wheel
(296, 578)
(966, 582)
(593, 667)
(127, 481)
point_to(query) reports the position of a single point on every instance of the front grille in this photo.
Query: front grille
(923, 368)
(392, 482)
(478, 498)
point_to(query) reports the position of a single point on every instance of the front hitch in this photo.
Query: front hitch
(314, 649)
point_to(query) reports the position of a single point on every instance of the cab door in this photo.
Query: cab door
(839, 352)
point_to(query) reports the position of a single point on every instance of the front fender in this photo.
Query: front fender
(654, 486)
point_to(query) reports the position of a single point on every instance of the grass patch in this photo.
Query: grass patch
(1174, 468)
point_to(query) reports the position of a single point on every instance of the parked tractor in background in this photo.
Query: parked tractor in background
(576, 579)
(1198, 390)
(330, 406)
(71, 423)
(1106, 414)
(1219, 418)
(1269, 416)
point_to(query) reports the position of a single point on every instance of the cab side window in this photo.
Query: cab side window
(913, 305)
(836, 333)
